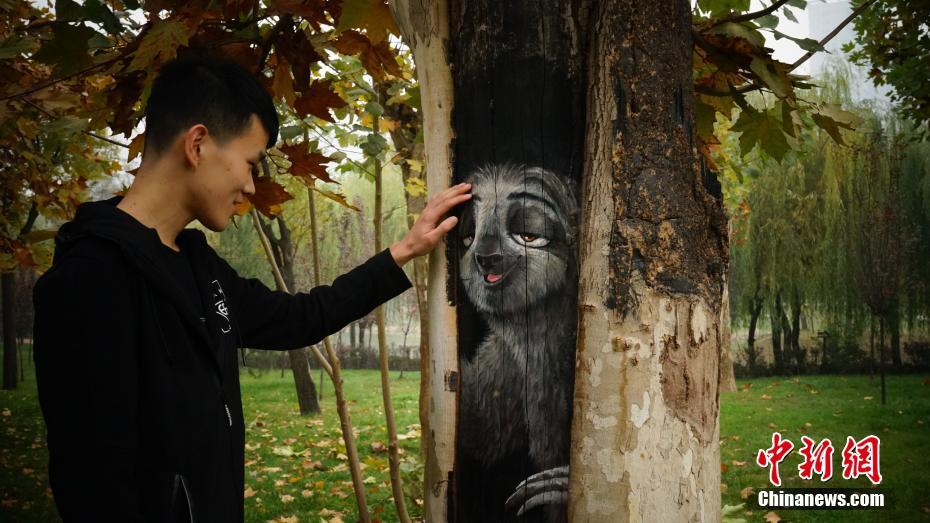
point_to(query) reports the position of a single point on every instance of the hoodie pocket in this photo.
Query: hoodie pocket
(182, 506)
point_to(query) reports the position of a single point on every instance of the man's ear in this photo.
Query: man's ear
(193, 142)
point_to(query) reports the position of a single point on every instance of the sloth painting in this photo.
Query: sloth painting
(517, 267)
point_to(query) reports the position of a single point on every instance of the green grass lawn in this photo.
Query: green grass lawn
(296, 466)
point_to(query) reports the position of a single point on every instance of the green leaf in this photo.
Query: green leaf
(740, 31)
(374, 109)
(721, 7)
(67, 50)
(808, 44)
(789, 15)
(91, 11)
(768, 21)
(774, 75)
(760, 128)
(290, 131)
(831, 118)
(160, 43)
(374, 144)
(17, 46)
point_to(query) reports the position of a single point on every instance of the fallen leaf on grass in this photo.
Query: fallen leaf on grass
(249, 492)
(286, 498)
(771, 517)
(746, 492)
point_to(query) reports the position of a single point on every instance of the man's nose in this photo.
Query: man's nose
(249, 186)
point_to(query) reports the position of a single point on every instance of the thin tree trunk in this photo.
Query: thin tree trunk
(342, 407)
(646, 426)
(425, 27)
(777, 353)
(881, 353)
(755, 311)
(10, 374)
(397, 488)
(895, 326)
(283, 250)
(871, 348)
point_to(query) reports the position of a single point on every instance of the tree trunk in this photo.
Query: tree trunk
(425, 26)
(397, 488)
(404, 138)
(652, 247)
(10, 375)
(727, 374)
(881, 353)
(653, 262)
(797, 350)
(894, 323)
(342, 407)
(777, 355)
(755, 310)
(284, 253)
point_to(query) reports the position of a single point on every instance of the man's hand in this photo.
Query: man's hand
(428, 229)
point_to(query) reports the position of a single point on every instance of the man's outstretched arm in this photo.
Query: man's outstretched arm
(275, 320)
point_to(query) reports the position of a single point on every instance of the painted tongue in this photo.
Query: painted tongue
(491, 278)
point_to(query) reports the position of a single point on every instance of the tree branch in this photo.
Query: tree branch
(833, 33)
(750, 16)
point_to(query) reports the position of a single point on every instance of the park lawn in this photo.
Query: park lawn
(832, 407)
(295, 466)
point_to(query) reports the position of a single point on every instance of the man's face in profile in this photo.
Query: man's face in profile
(224, 176)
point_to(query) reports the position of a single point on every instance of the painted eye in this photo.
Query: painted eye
(530, 240)
(466, 241)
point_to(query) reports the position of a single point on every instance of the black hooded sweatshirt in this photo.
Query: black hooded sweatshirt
(139, 384)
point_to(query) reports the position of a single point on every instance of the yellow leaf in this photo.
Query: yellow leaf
(159, 44)
(386, 125)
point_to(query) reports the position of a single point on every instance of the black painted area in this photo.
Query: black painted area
(518, 90)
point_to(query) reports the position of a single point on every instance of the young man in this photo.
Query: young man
(138, 320)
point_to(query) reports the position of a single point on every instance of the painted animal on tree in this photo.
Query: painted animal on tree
(518, 268)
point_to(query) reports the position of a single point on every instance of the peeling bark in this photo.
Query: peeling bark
(653, 261)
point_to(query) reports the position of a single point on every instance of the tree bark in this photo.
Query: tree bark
(653, 262)
(284, 253)
(425, 27)
(10, 374)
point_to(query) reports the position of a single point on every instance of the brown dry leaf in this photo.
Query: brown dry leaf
(771, 517)
(378, 447)
(737, 463)
(136, 147)
(286, 498)
(318, 99)
(268, 197)
(766, 397)
(249, 492)
(305, 164)
(746, 492)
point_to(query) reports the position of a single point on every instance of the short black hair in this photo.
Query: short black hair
(209, 90)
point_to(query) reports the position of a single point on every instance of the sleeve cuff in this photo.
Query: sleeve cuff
(392, 279)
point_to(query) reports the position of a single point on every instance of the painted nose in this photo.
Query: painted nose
(489, 263)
